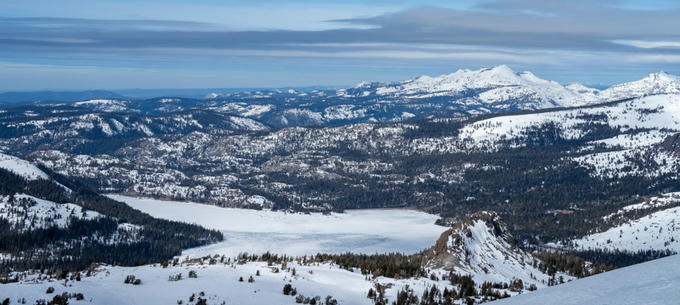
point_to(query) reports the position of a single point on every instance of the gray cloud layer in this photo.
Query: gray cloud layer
(566, 36)
(550, 25)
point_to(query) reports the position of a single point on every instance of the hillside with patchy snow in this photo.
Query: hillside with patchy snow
(637, 127)
(26, 213)
(656, 227)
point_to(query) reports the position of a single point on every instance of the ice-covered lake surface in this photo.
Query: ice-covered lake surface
(358, 231)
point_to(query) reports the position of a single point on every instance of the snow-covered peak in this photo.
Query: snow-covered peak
(586, 93)
(21, 167)
(497, 86)
(661, 75)
(464, 79)
(362, 84)
(655, 83)
(661, 78)
(580, 88)
(500, 71)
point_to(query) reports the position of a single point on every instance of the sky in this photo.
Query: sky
(121, 44)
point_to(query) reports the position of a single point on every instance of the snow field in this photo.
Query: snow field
(21, 167)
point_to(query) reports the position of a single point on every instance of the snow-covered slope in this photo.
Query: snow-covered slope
(218, 282)
(481, 245)
(21, 167)
(587, 92)
(655, 282)
(653, 112)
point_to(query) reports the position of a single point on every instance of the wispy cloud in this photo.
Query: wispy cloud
(581, 25)
(645, 44)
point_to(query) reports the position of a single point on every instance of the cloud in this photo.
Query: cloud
(578, 25)
(543, 33)
(645, 44)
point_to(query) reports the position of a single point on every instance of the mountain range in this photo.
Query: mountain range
(493, 90)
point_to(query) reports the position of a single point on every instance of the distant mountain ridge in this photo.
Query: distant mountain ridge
(497, 89)
(19, 97)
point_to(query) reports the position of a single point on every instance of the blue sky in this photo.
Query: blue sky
(88, 44)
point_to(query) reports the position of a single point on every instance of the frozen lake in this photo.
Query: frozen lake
(359, 231)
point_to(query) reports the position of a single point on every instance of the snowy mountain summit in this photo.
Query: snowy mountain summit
(498, 87)
(501, 88)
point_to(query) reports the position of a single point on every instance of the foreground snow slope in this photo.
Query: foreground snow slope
(219, 283)
(654, 282)
(259, 231)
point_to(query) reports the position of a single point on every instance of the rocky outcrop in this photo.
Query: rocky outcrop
(481, 245)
